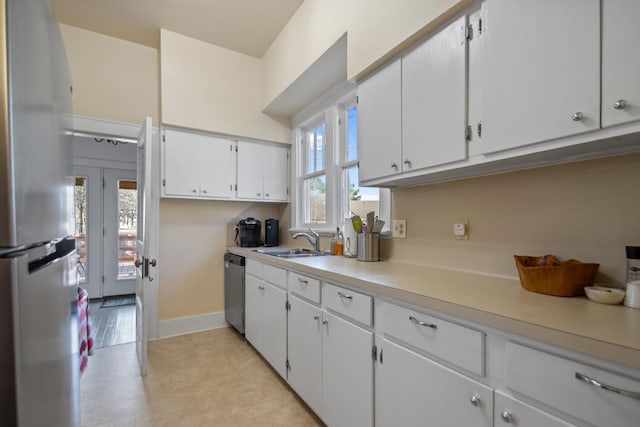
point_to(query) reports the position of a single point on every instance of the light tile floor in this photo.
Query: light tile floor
(212, 378)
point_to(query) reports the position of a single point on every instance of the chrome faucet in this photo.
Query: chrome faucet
(312, 237)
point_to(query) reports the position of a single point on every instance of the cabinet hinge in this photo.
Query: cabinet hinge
(102, 279)
(287, 191)
(339, 122)
(374, 353)
(231, 147)
(236, 148)
(287, 155)
(103, 232)
(469, 32)
(236, 187)
(164, 137)
(381, 358)
(230, 187)
(479, 129)
(467, 133)
(480, 26)
(164, 182)
(287, 305)
(103, 182)
(287, 365)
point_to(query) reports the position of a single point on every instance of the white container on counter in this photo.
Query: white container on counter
(632, 298)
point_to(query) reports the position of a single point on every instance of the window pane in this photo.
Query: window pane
(315, 190)
(127, 224)
(81, 227)
(361, 199)
(315, 149)
(352, 135)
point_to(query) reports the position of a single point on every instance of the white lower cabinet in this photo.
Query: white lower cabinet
(347, 368)
(412, 390)
(266, 321)
(305, 352)
(511, 412)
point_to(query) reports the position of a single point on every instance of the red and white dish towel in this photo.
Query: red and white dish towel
(85, 329)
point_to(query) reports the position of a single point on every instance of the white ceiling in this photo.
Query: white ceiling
(247, 26)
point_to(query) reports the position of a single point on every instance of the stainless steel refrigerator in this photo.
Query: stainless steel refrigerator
(39, 367)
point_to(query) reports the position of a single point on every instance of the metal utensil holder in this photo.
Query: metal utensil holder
(368, 247)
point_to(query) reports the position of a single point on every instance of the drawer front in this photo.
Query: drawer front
(562, 383)
(455, 344)
(305, 287)
(275, 275)
(253, 268)
(511, 412)
(349, 303)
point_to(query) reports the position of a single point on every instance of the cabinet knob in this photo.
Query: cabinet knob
(506, 417)
(266, 194)
(204, 191)
(316, 317)
(620, 104)
(194, 191)
(325, 322)
(407, 162)
(258, 194)
(394, 165)
(475, 400)
(577, 116)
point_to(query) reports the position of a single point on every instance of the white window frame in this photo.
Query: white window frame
(332, 109)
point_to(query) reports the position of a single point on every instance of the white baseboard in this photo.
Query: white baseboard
(191, 324)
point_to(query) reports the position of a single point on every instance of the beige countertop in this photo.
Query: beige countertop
(608, 332)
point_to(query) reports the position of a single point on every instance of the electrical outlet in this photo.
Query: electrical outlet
(399, 229)
(461, 229)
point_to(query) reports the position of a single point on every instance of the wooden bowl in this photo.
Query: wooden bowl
(548, 275)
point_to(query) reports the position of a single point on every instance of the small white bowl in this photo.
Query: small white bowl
(604, 295)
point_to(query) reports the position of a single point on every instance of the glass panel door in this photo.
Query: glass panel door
(120, 224)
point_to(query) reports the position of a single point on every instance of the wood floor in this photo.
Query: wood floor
(212, 378)
(112, 325)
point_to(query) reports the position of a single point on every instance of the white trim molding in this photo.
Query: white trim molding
(191, 324)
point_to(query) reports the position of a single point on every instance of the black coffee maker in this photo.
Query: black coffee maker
(248, 233)
(271, 232)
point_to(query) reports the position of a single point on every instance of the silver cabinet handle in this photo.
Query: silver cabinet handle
(475, 400)
(325, 322)
(394, 165)
(261, 288)
(620, 104)
(577, 116)
(316, 317)
(407, 162)
(345, 296)
(596, 383)
(506, 417)
(302, 281)
(421, 323)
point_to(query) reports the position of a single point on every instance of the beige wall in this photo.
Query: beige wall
(113, 79)
(214, 89)
(375, 29)
(193, 240)
(587, 210)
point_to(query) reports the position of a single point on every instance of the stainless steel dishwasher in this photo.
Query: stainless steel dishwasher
(234, 290)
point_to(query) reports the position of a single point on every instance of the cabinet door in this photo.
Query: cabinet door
(620, 62)
(411, 389)
(541, 71)
(253, 300)
(250, 167)
(181, 175)
(274, 328)
(347, 373)
(276, 172)
(512, 412)
(379, 124)
(434, 99)
(216, 167)
(305, 352)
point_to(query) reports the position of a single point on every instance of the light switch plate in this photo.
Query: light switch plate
(399, 229)
(461, 229)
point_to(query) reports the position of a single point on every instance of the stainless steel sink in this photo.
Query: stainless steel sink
(290, 253)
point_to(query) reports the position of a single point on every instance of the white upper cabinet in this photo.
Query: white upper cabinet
(620, 62)
(541, 76)
(263, 172)
(434, 99)
(379, 124)
(197, 166)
